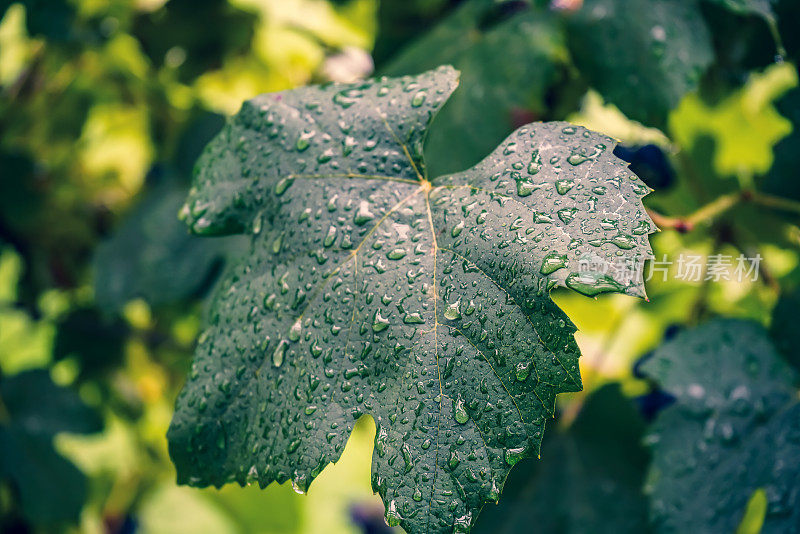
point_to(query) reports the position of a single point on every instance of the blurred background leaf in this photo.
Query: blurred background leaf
(591, 480)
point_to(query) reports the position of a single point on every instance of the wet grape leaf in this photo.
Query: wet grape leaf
(734, 428)
(32, 410)
(598, 465)
(496, 89)
(641, 55)
(370, 289)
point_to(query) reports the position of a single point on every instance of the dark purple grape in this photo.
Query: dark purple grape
(649, 163)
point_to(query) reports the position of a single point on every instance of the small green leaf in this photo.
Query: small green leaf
(308, 332)
(641, 55)
(734, 428)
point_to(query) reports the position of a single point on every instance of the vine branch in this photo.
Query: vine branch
(711, 211)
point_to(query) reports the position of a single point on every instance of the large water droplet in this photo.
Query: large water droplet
(553, 262)
(330, 237)
(294, 332)
(393, 517)
(277, 354)
(567, 214)
(396, 254)
(379, 324)
(563, 186)
(623, 241)
(523, 371)
(592, 283)
(512, 456)
(282, 185)
(453, 311)
(459, 412)
(363, 215)
(536, 163)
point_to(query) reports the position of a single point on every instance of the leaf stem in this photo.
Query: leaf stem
(720, 205)
(772, 201)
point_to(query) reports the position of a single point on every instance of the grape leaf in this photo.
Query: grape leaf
(369, 289)
(734, 429)
(32, 410)
(476, 119)
(641, 55)
(598, 464)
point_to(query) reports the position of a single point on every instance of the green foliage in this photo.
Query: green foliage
(495, 88)
(32, 410)
(784, 330)
(176, 24)
(609, 37)
(734, 429)
(370, 290)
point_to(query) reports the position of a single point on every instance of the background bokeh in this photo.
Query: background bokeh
(106, 104)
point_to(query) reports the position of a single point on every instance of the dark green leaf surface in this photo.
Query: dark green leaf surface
(641, 55)
(96, 342)
(495, 83)
(152, 256)
(370, 289)
(589, 479)
(784, 326)
(32, 410)
(39, 407)
(782, 178)
(735, 428)
(48, 18)
(762, 8)
(33, 466)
